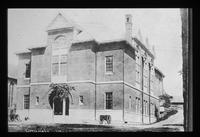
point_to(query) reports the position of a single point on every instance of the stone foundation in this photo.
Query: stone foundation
(81, 116)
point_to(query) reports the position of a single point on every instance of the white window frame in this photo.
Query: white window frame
(24, 101)
(58, 66)
(109, 73)
(105, 100)
(59, 62)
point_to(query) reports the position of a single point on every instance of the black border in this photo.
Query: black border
(78, 4)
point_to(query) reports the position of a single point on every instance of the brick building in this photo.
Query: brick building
(113, 74)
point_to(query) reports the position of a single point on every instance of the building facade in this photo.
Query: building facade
(159, 76)
(112, 75)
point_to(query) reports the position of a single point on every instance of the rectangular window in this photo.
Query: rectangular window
(137, 70)
(144, 105)
(152, 109)
(137, 105)
(151, 82)
(137, 73)
(55, 65)
(80, 100)
(146, 108)
(63, 65)
(37, 100)
(109, 100)
(28, 70)
(26, 101)
(130, 102)
(109, 64)
(145, 77)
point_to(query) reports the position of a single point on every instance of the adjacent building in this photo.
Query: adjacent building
(113, 74)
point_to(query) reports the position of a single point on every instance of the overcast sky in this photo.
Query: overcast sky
(26, 27)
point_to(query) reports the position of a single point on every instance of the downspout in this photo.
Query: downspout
(142, 88)
(11, 101)
(30, 87)
(123, 86)
(95, 96)
(149, 94)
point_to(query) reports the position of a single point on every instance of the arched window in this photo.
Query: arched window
(60, 41)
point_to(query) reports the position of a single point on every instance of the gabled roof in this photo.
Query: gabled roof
(99, 33)
(59, 22)
(91, 32)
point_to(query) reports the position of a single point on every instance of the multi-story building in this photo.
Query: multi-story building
(113, 74)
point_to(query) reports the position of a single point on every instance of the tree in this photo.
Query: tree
(167, 100)
(61, 91)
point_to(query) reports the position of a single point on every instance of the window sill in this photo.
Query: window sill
(109, 73)
(108, 109)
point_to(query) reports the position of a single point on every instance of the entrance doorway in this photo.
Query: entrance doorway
(61, 106)
(67, 106)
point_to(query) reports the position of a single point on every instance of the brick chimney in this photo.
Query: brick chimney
(128, 25)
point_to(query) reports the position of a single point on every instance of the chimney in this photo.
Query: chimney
(128, 25)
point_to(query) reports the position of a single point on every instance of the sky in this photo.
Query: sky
(162, 27)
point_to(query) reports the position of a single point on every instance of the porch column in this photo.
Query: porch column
(64, 107)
